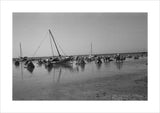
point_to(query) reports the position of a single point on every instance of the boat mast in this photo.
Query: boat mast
(20, 50)
(51, 46)
(54, 42)
(91, 48)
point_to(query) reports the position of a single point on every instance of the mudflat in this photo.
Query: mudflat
(119, 87)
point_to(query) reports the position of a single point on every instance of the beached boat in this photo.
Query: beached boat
(59, 59)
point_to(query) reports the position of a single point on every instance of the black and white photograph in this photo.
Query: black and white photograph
(80, 56)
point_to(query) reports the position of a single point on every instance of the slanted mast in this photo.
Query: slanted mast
(51, 45)
(54, 43)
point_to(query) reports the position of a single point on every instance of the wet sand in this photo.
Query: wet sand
(127, 86)
(119, 87)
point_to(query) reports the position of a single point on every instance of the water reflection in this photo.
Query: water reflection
(58, 66)
(59, 75)
(107, 64)
(54, 75)
(71, 72)
(82, 67)
(57, 80)
(21, 70)
(30, 69)
(74, 69)
(119, 65)
(98, 65)
(71, 68)
(49, 68)
(16, 65)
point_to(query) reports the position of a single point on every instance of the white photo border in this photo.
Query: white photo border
(150, 7)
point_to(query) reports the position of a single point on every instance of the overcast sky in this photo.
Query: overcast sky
(74, 32)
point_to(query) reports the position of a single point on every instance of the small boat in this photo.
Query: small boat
(29, 64)
(16, 63)
(98, 60)
(136, 57)
(54, 60)
(81, 62)
(62, 61)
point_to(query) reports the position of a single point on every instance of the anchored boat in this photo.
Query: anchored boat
(59, 59)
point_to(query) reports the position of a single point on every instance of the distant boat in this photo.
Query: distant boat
(30, 64)
(91, 57)
(17, 62)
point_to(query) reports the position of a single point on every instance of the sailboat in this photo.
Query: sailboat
(91, 57)
(59, 59)
(91, 52)
(17, 62)
(21, 58)
(28, 63)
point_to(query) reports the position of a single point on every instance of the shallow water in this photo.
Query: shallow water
(32, 84)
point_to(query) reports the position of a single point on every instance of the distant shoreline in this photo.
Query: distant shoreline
(130, 53)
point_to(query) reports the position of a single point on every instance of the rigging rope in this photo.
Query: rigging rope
(61, 49)
(40, 44)
(51, 45)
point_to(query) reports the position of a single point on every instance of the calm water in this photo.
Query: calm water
(27, 84)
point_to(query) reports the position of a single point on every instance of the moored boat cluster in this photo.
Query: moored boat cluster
(73, 60)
